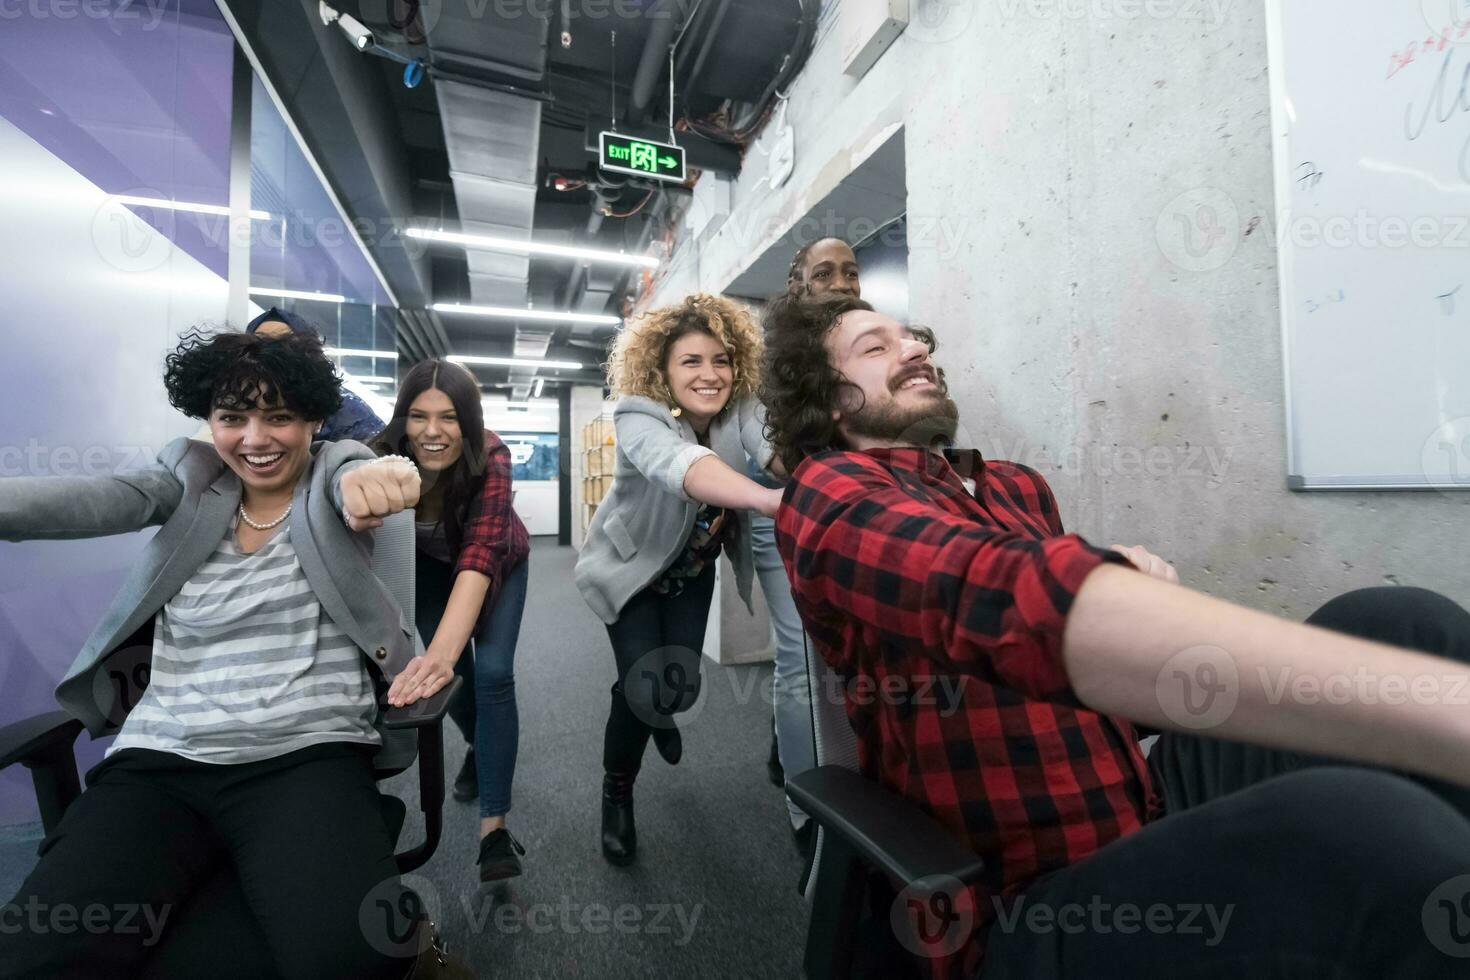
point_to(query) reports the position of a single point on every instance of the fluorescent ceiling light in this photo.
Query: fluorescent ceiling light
(297, 294)
(512, 313)
(158, 202)
(533, 248)
(370, 379)
(355, 352)
(537, 384)
(515, 362)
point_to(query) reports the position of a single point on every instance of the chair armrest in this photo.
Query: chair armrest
(887, 831)
(426, 715)
(38, 739)
(43, 744)
(426, 711)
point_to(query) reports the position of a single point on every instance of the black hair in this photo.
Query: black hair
(799, 384)
(796, 274)
(240, 371)
(467, 476)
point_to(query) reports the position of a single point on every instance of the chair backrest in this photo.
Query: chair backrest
(393, 563)
(836, 742)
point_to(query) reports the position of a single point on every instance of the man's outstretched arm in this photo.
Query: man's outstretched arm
(1166, 656)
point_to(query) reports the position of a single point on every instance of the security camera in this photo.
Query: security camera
(360, 36)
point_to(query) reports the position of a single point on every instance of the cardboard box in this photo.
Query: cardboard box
(609, 462)
(602, 432)
(594, 462)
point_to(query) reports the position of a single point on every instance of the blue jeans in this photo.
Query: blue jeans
(484, 709)
(791, 691)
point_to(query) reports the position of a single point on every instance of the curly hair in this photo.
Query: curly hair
(801, 386)
(237, 370)
(641, 350)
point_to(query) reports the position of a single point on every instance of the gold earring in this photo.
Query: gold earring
(674, 408)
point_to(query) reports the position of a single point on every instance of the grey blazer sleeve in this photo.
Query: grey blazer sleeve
(33, 508)
(658, 452)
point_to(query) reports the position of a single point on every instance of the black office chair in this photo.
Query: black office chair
(865, 832)
(216, 936)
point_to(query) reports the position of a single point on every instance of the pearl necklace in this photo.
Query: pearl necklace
(264, 527)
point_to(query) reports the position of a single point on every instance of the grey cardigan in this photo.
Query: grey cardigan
(644, 520)
(194, 495)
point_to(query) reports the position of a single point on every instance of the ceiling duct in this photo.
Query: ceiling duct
(492, 139)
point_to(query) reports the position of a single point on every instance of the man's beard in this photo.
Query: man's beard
(919, 425)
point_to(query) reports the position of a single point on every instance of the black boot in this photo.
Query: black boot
(619, 835)
(774, 772)
(467, 783)
(668, 741)
(623, 744)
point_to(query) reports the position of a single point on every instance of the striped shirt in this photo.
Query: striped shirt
(248, 666)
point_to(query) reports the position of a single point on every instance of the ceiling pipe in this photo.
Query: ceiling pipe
(651, 62)
(706, 45)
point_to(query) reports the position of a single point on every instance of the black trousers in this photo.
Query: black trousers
(656, 642)
(136, 862)
(1269, 864)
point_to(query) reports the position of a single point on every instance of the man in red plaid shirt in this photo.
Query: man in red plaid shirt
(1001, 658)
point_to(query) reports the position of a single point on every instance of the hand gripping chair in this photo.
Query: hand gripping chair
(215, 935)
(862, 827)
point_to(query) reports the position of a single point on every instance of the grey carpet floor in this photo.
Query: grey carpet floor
(713, 892)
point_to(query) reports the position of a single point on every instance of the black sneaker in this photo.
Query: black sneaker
(498, 856)
(467, 783)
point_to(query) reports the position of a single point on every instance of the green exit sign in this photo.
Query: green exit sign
(640, 157)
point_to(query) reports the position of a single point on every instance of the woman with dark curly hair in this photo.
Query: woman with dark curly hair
(471, 572)
(263, 632)
(687, 421)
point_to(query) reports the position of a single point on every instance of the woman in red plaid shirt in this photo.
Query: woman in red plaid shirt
(471, 572)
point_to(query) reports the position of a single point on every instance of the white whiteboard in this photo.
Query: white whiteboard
(1371, 114)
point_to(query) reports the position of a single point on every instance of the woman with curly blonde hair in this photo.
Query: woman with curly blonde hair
(687, 423)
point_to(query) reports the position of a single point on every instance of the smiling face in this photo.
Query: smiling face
(893, 395)
(830, 269)
(699, 375)
(433, 431)
(268, 446)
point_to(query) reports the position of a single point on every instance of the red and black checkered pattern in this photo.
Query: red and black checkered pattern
(944, 611)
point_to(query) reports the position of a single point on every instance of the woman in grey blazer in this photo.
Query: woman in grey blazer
(260, 633)
(687, 422)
